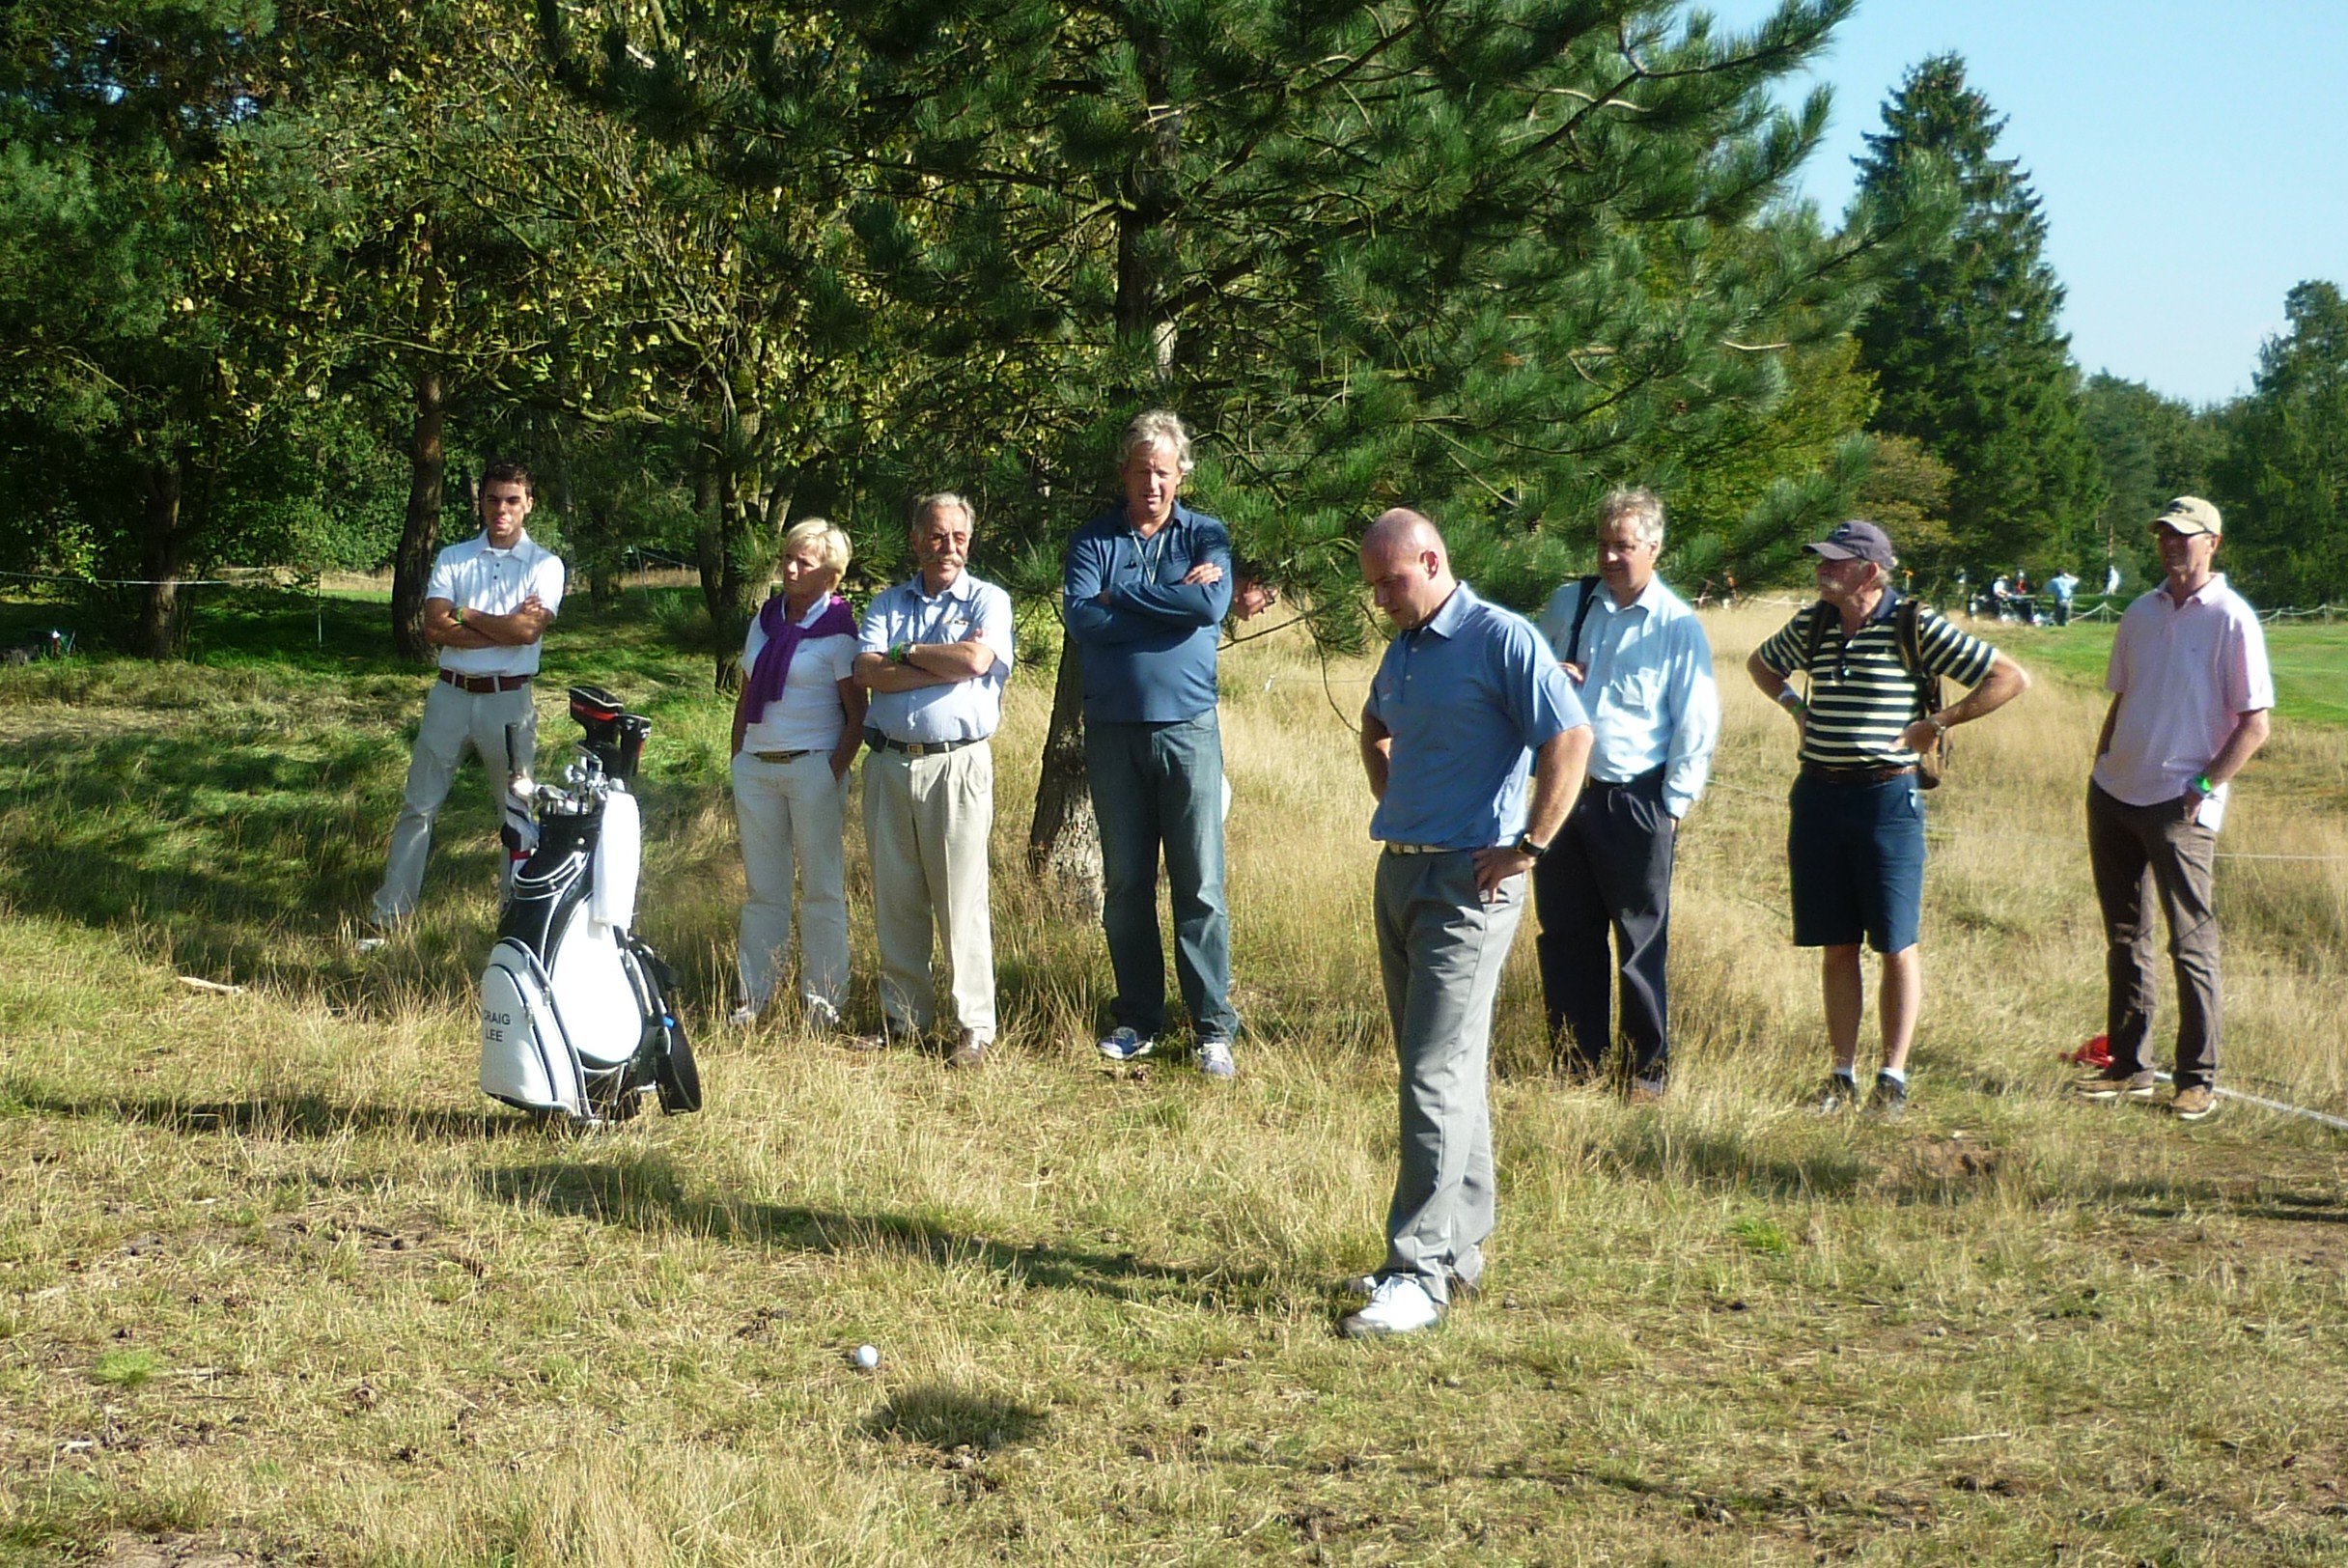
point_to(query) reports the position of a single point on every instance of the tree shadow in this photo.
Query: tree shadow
(299, 1116)
(946, 1418)
(1661, 1151)
(646, 1193)
(2244, 1199)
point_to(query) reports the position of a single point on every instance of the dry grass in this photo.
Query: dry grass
(275, 1281)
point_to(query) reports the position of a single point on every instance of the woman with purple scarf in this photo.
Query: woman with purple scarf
(796, 729)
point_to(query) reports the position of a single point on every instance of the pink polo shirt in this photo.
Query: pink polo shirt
(2185, 674)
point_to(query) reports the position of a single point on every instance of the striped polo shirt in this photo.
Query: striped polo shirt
(1861, 695)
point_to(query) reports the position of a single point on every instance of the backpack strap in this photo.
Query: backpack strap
(1814, 636)
(1905, 621)
(1582, 613)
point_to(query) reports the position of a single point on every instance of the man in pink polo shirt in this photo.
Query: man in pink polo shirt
(2190, 694)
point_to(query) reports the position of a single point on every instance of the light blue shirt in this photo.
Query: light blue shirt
(1467, 697)
(1647, 684)
(964, 710)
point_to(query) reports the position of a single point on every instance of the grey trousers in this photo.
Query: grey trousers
(452, 720)
(926, 823)
(1441, 948)
(2162, 849)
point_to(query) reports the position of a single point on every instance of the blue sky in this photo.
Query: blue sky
(2191, 158)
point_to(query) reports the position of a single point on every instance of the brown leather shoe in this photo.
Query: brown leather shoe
(970, 1050)
(2194, 1103)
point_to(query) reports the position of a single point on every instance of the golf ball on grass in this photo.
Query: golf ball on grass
(866, 1357)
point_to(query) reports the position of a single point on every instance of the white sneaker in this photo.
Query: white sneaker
(1397, 1307)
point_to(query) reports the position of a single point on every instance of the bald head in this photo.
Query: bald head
(1404, 532)
(1408, 570)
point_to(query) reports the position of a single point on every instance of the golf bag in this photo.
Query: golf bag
(574, 1010)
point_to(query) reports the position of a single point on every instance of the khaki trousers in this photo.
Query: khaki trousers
(455, 719)
(927, 821)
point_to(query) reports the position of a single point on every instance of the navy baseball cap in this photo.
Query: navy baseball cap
(1858, 540)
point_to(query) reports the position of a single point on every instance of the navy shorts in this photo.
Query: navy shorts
(1857, 854)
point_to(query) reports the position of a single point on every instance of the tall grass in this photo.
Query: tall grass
(277, 1281)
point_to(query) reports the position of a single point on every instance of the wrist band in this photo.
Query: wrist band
(899, 653)
(1788, 698)
(2201, 782)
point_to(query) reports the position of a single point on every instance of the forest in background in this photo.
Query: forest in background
(276, 278)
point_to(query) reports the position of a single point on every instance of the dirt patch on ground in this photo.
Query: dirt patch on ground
(168, 1551)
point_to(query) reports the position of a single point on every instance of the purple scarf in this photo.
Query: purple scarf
(784, 634)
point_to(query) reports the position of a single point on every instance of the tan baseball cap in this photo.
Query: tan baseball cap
(2190, 514)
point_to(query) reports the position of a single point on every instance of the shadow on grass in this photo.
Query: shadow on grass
(290, 1116)
(1660, 1151)
(646, 1194)
(947, 1418)
(2190, 1199)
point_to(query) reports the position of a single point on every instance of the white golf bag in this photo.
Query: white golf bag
(574, 1010)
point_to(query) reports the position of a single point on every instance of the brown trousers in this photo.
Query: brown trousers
(2158, 848)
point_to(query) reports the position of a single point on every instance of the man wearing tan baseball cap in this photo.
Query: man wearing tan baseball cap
(2190, 695)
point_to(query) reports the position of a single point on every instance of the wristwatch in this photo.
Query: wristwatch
(1525, 846)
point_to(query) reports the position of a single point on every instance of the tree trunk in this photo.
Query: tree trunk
(1064, 841)
(426, 476)
(162, 619)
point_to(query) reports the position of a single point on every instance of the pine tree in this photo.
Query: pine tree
(2151, 448)
(2284, 475)
(1482, 258)
(1964, 344)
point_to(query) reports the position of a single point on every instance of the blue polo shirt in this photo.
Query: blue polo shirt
(1149, 653)
(1467, 697)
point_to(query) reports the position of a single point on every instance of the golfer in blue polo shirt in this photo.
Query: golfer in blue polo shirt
(1465, 692)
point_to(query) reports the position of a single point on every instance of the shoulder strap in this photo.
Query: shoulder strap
(1582, 613)
(1904, 621)
(1814, 637)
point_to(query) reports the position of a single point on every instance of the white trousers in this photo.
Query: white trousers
(453, 719)
(793, 816)
(927, 821)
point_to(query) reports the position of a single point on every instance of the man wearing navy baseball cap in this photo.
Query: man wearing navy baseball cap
(1855, 844)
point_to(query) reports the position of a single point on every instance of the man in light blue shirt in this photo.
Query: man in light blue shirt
(1465, 692)
(936, 652)
(1638, 657)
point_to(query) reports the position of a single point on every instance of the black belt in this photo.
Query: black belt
(783, 756)
(1653, 776)
(918, 748)
(481, 686)
(1854, 775)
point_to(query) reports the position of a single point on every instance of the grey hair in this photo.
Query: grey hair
(1636, 504)
(937, 501)
(829, 541)
(1158, 427)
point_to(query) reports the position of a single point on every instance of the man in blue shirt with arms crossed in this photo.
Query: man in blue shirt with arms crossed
(1147, 586)
(1465, 692)
(1639, 661)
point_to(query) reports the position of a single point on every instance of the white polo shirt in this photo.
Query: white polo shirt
(2185, 675)
(473, 576)
(807, 717)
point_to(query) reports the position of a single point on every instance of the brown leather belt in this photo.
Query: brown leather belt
(1854, 775)
(919, 749)
(481, 686)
